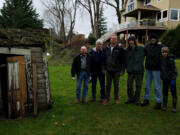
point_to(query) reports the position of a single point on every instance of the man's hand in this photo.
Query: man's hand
(73, 78)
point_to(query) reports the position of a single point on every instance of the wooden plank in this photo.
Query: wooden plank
(5, 50)
(36, 49)
(21, 94)
(35, 88)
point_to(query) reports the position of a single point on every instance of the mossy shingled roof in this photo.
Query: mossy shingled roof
(27, 37)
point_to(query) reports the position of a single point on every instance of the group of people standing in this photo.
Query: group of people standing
(112, 62)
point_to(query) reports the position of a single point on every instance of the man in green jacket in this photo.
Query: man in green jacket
(135, 69)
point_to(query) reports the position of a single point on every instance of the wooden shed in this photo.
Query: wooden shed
(24, 78)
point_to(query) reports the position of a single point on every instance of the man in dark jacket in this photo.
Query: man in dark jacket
(135, 69)
(115, 64)
(168, 76)
(81, 67)
(98, 69)
(152, 65)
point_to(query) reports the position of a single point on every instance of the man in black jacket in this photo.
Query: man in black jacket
(152, 65)
(114, 63)
(81, 67)
(98, 69)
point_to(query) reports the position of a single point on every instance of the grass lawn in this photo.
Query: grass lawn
(94, 118)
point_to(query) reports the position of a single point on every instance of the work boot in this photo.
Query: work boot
(129, 102)
(84, 100)
(77, 101)
(174, 104)
(93, 100)
(116, 101)
(106, 102)
(157, 106)
(145, 102)
(164, 108)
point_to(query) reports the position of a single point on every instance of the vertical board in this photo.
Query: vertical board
(20, 95)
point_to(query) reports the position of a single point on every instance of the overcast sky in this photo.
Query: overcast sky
(82, 22)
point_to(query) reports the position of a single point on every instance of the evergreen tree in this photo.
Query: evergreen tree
(172, 39)
(102, 24)
(19, 14)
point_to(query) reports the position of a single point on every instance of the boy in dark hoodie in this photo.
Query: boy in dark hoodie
(168, 76)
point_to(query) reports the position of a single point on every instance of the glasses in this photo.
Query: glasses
(164, 52)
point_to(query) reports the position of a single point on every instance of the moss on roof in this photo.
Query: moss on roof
(23, 36)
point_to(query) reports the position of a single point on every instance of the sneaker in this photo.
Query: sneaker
(137, 102)
(157, 106)
(174, 110)
(106, 102)
(145, 103)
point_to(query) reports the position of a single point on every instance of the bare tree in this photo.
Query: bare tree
(118, 5)
(63, 10)
(93, 8)
(52, 22)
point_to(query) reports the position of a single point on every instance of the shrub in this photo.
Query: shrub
(172, 39)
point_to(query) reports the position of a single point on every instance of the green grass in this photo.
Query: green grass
(94, 118)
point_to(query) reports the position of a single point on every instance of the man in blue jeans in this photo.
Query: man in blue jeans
(81, 67)
(152, 65)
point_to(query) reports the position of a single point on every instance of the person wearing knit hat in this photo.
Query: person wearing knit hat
(152, 66)
(168, 76)
(135, 69)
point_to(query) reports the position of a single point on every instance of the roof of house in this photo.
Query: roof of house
(28, 37)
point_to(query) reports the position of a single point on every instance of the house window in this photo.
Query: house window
(174, 14)
(146, 2)
(162, 16)
(159, 16)
(165, 14)
(131, 5)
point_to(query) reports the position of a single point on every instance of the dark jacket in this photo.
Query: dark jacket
(116, 60)
(97, 60)
(153, 56)
(168, 68)
(135, 59)
(76, 65)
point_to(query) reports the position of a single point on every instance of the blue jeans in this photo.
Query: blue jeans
(82, 76)
(153, 75)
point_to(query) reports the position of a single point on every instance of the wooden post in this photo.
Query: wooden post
(139, 17)
(126, 38)
(35, 103)
(146, 37)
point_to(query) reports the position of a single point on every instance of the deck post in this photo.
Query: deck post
(126, 38)
(146, 37)
(139, 17)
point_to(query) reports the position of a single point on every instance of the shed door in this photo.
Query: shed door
(17, 93)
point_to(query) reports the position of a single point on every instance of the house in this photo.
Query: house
(142, 17)
(24, 78)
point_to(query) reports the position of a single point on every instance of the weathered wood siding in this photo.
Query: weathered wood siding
(37, 53)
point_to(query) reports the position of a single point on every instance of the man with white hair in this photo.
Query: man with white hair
(81, 67)
(98, 69)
